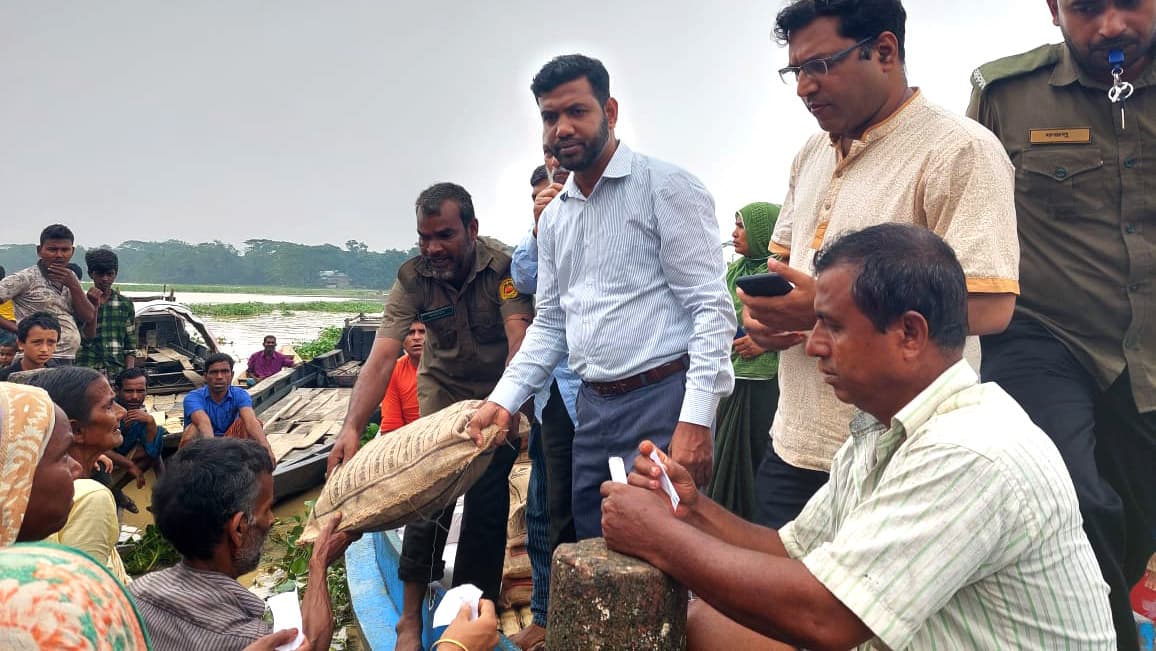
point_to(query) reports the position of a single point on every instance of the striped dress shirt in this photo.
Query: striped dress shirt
(956, 527)
(184, 608)
(630, 278)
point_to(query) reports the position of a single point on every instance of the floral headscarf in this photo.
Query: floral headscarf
(54, 597)
(27, 417)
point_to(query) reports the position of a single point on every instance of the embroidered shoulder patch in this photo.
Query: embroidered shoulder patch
(506, 289)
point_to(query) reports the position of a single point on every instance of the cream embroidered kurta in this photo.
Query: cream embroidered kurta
(925, 166)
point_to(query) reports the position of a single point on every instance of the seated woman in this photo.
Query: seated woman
(50, 594)
(94, 416)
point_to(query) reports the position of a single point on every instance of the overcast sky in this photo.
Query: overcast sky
(321, 121)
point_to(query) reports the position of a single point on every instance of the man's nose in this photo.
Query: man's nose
(805, 85)
(1112, 24)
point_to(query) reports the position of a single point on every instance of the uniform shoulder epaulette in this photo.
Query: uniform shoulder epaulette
(1015, 65)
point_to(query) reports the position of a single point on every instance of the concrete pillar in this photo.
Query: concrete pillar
(603, 600)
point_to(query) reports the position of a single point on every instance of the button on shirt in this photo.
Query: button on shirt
(30, 291)
(955, 527)
(923, 166)
(221, 414)
(1086, 203)
(630, 278)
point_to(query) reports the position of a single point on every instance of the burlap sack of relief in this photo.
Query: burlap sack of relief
(409, 474)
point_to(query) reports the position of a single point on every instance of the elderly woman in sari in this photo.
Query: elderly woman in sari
(744, 418)
(94, 416)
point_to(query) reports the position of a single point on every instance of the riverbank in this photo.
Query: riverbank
(253, 289)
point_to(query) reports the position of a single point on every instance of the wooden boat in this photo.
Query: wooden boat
(173, 343)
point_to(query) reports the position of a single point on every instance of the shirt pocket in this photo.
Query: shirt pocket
(444, 333)
(1072, 181)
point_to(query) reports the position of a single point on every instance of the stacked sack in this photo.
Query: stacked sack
(517, 581)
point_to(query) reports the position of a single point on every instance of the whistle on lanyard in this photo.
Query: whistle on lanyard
(1120, 90)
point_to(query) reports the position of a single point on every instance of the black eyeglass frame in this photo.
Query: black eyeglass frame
(815, 68)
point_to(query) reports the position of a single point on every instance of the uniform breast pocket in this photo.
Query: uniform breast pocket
(1071, 181)
(443, 332)
(488, 328)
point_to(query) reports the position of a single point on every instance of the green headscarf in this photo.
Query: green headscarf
(759, 221)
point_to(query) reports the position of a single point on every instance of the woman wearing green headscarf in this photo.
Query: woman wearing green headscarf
(744, 418)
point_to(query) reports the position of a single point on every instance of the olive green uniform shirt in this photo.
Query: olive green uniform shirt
(1085, 205)
(465, 343)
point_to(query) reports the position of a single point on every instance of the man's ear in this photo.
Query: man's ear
(237, 528)
(611, 110)
(888, 47)
(915, 333)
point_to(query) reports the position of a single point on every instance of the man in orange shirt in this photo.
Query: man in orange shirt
(399, 407)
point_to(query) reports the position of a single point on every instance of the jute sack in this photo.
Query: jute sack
(409, 474)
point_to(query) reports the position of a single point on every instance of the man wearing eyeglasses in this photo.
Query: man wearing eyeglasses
(886, 154)
(1080, 353)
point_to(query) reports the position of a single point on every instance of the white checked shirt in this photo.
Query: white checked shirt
(629, 278)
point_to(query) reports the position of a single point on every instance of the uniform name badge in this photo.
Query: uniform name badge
(434, 315)
(1070, 136)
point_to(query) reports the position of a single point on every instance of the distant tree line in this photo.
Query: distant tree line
(260, 262)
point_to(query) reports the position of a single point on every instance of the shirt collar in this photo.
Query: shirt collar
(889, 124)
(618, 167)
(1068, 71)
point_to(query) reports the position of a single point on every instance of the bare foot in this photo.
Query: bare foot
(408, 634)
(531, 638)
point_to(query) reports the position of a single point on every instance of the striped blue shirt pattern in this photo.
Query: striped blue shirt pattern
(629, 278)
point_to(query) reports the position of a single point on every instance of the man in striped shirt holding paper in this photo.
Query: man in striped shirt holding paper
(949, 520)
(630, 283)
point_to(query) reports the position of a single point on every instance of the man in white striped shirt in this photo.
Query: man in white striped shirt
(630, 282)
(949, 520)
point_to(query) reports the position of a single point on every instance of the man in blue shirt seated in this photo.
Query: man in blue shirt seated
(144, 440)
(221, 409)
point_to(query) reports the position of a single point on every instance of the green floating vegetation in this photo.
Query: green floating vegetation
(326, 341)
(257, 309)
(152, 552)
(250, 289)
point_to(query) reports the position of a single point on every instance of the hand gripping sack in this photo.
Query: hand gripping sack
(409, 474)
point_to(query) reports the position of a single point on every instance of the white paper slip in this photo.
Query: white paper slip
(617, 470)
(666, 484)
(452, 602)
(286, 611)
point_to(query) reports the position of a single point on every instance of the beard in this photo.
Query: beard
(248, 557)
(591, 149)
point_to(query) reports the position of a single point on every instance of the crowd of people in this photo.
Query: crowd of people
(943, 434)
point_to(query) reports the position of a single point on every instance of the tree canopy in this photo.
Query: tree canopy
(260, 262)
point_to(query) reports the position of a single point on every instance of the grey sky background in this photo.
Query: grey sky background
(321, 121)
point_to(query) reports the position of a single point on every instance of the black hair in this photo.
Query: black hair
(429, 202)
(205, 484)
(904, 268)
(268, 336)
(101, 261)
(68, 388)
(217, 358)
(538, 175)
(2, 272)
(56, 232)
(7, 339)
(568, 67)
(43, 319)
(858, 19)
(130, 374)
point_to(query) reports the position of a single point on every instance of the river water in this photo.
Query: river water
(242, 336)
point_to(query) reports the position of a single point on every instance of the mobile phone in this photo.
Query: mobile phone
(740, 333)
(768, 284)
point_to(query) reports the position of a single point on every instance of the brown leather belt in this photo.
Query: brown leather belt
(653, 376)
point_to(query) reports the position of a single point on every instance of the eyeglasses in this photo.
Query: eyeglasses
(816, 68)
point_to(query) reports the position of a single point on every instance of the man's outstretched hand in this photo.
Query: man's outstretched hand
(693, 447)
(490, 413)
(343, 449)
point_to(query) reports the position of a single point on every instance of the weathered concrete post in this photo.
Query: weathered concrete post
(600, 599)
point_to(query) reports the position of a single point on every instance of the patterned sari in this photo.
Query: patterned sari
(54, 597)
(27, 417)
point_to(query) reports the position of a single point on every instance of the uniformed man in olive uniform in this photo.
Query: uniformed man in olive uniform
(460, 288)
(1080, 353)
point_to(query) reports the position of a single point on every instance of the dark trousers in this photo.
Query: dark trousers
(1108, 447)
(782, 490)
(482, 543)
(558, 454)
(613, 426)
